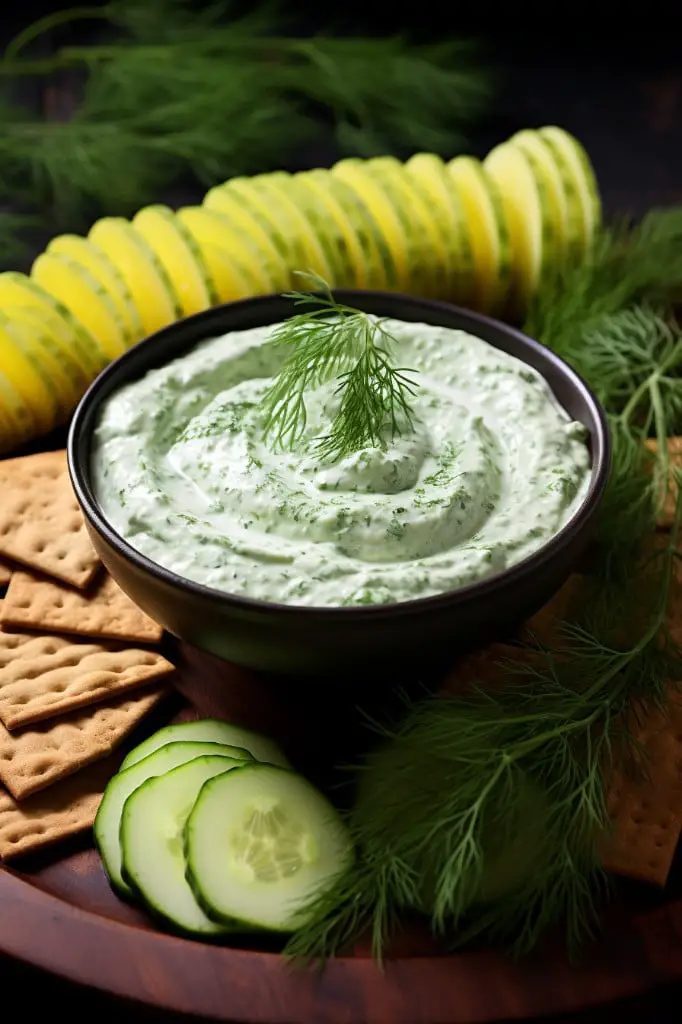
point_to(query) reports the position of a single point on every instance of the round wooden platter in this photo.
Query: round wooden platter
(58, 913)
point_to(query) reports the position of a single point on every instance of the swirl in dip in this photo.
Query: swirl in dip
(492, 469)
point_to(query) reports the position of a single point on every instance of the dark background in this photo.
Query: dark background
(615, 81)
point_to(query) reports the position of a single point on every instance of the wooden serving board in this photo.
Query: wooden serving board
(58, 913)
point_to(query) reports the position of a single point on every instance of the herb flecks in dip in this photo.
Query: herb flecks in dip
(490, 470)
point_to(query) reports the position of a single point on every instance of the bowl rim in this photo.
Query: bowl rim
(80, 473)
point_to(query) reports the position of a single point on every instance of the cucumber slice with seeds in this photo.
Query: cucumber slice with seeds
(108, 820)
(260, 842)
(152, 842)
(210, 730)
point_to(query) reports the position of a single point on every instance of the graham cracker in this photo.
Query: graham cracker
(41, 525)
(647, 811)
(101, 611)
(58, 812)
(45, 676)
(43, 754)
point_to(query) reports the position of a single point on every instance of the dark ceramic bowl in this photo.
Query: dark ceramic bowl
(336, 641)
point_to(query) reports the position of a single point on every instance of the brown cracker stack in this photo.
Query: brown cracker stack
(41, 525)
(44, 676)
(41, 755)
(101, 611)
(54, 814)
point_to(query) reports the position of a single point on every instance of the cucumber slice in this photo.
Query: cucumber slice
(152, 842)
(108, 820)
(569, 151)
(260, 841)
(210, 730)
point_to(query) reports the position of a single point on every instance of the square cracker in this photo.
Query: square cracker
(103, 610)
(58, 812)
(41, 525)
(646, 811)
(5, 573)
(45, 676)
(43, 754)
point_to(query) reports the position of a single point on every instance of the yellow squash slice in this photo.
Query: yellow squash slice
(180, 256)
(147, 281)
(79, 291)
(17, 423)
(254, 230)
(105, 272)
(18, 369)
(331, 238)
(338, 203)
(46, 339)
(18, 290)
(563, 199)
(488, 232)
(276, 221)
(316, 252)
(430, 175)
(570, 154)
(528, 211)
(232, 260)
(394, 248)
(427, 252)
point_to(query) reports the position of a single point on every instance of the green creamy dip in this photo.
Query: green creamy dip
(492, 469)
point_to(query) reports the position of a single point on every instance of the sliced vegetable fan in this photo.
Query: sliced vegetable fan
(485, 235)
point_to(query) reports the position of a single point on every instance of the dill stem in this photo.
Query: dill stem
(52, 21)
(673, 357)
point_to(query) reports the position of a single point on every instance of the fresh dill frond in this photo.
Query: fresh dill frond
(485, 810)
(175, 93)
(337, 341)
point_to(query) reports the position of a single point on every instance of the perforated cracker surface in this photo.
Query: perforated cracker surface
(40, 755)
(55, 814)
(41, 525)
(45, 676)
(103, 610)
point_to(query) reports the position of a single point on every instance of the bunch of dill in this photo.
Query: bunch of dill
(208, 95)
(486, 810)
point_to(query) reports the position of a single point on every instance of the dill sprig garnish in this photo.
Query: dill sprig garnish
(337, 341)
(214, 94)
(486, 810)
